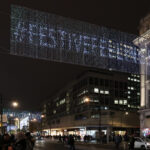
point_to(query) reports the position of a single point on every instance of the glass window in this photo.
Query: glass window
(102, 92)
(96, 90)
(96, 100)
(125, 102)
(120, 102)
(115, 101)
(106, 92)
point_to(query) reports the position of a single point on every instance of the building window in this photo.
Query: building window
(115, 101)
(96, 90)
(95, 116)
(106, 92)
(120, 102)
(102, 92)
(125, 102)
(54, 111)
(138, 93)
(96, 100)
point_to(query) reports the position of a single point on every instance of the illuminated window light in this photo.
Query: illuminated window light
(125, 102)
(106, 92)
(120, 102)
(96, 90)
(138, 93)
(102, 92)
(115, 101)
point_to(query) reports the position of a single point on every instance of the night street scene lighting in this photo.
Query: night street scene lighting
(75, 75)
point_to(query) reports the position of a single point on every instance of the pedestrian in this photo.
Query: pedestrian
(117, 141)
(20, 141)
(126, 140)
(29, 141)
(6, 142)
(71, 142)
(132, 141)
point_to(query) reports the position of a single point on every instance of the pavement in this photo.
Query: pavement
(47, 144)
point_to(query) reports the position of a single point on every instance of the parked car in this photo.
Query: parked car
(142, 143)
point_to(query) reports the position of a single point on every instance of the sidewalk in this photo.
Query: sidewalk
(92, 146)
(89, 146)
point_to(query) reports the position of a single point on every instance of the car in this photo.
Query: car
(142, 143)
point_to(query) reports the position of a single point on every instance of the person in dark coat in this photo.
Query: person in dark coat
(132, 141)
(117, 141)
(6, 142)
(20, 141)
(71, 142)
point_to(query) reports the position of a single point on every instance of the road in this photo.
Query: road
(47, 145)
(53, 145)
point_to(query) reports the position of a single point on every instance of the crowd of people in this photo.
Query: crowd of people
(128, 141)
(20, 141)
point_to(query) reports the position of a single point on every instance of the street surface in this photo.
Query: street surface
(54, 145)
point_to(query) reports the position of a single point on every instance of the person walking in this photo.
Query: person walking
(126, 140)
(132, 141)
(71, 142)
(117, 141)
(20, 141)
(29, 141)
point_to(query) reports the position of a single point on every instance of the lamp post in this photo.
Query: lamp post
(42, 116)
(15, 104)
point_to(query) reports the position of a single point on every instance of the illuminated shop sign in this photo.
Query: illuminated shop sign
(42, 35)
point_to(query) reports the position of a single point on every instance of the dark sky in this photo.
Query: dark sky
(32, 80)
(119, 14)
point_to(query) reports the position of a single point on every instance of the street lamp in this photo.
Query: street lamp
(15, 104)
(86, 99)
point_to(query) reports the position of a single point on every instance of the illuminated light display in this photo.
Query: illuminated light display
(46, 36)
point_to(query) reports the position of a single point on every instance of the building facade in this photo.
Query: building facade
(143, 41)
(96, 102)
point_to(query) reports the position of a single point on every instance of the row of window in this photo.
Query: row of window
(61, 102)
(133, 79)
(121, 102)
(97, 90)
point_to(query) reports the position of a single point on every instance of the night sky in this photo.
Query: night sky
(30, 80)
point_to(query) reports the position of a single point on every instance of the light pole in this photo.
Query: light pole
(42, 116)
(87, 101)
(15, 104)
